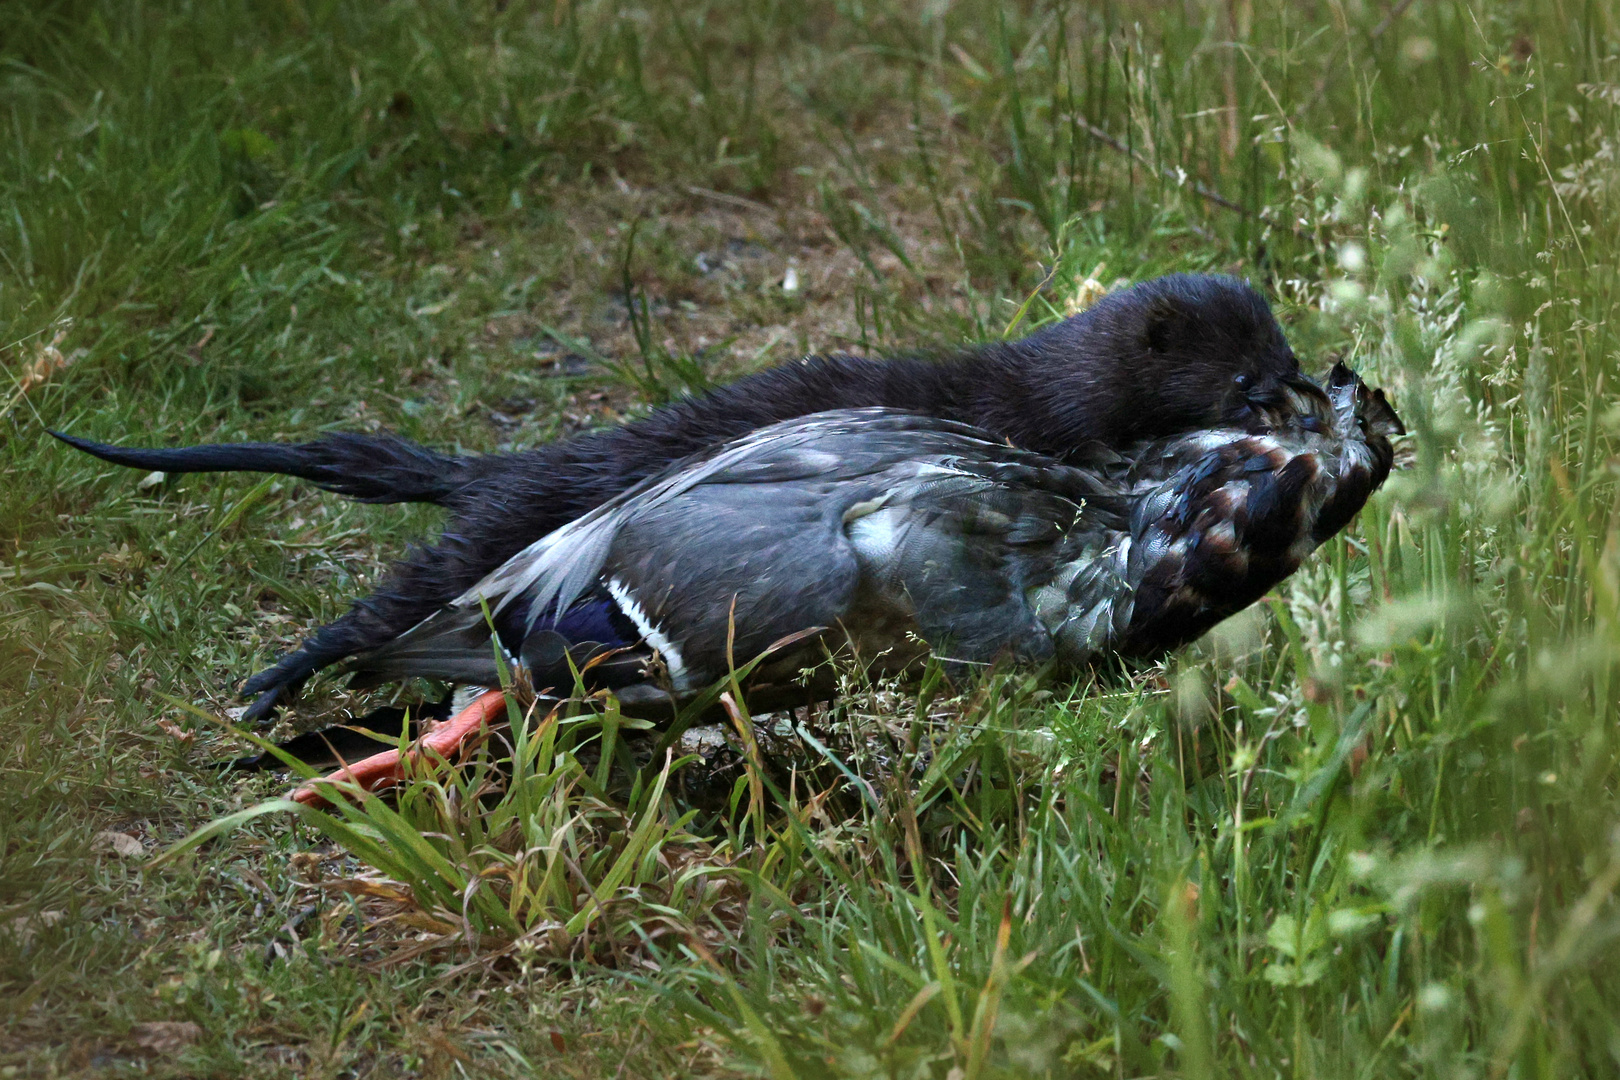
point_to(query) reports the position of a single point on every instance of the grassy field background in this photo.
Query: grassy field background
(1369, 830)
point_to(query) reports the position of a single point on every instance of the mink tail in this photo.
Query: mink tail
(368, 468)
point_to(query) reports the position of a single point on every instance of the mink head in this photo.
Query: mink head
(1165, 356)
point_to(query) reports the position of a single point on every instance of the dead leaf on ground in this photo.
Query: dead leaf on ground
(176, 732)
(166, 1036)
(383, 890)
(24, 927)
(46, 362)
(121, 844)
(195, 351)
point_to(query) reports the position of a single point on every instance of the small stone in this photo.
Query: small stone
(121, 844)
(24, 927)
(166, 1036)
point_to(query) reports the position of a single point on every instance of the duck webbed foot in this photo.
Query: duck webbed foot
(382, 770)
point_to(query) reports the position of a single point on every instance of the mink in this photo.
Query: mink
(1172, 354)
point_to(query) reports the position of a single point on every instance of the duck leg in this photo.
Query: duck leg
(382, 770)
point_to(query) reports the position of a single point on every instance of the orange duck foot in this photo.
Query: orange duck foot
(382, 770)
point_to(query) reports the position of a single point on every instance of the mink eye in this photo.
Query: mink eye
(1241, 380)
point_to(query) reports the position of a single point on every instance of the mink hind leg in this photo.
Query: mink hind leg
(506, 504)
(415, 588)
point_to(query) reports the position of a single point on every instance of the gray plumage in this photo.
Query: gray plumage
(891, 531)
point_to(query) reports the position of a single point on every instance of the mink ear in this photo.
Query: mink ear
(1164, 323)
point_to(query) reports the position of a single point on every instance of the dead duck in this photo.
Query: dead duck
(1174, 354)
(886, 534)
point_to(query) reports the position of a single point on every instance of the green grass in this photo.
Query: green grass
(1370, 830)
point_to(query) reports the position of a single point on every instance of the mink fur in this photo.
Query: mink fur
(1168, 355)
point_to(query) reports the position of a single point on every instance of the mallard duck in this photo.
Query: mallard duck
(882, 535)
(888, 534)
(1174, 354)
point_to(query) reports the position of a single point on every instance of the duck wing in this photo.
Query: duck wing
(1214, 518)
(959, 548)
(1219, 518)
(748, 540)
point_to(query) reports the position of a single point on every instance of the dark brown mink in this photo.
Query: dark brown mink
(1168, 355)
